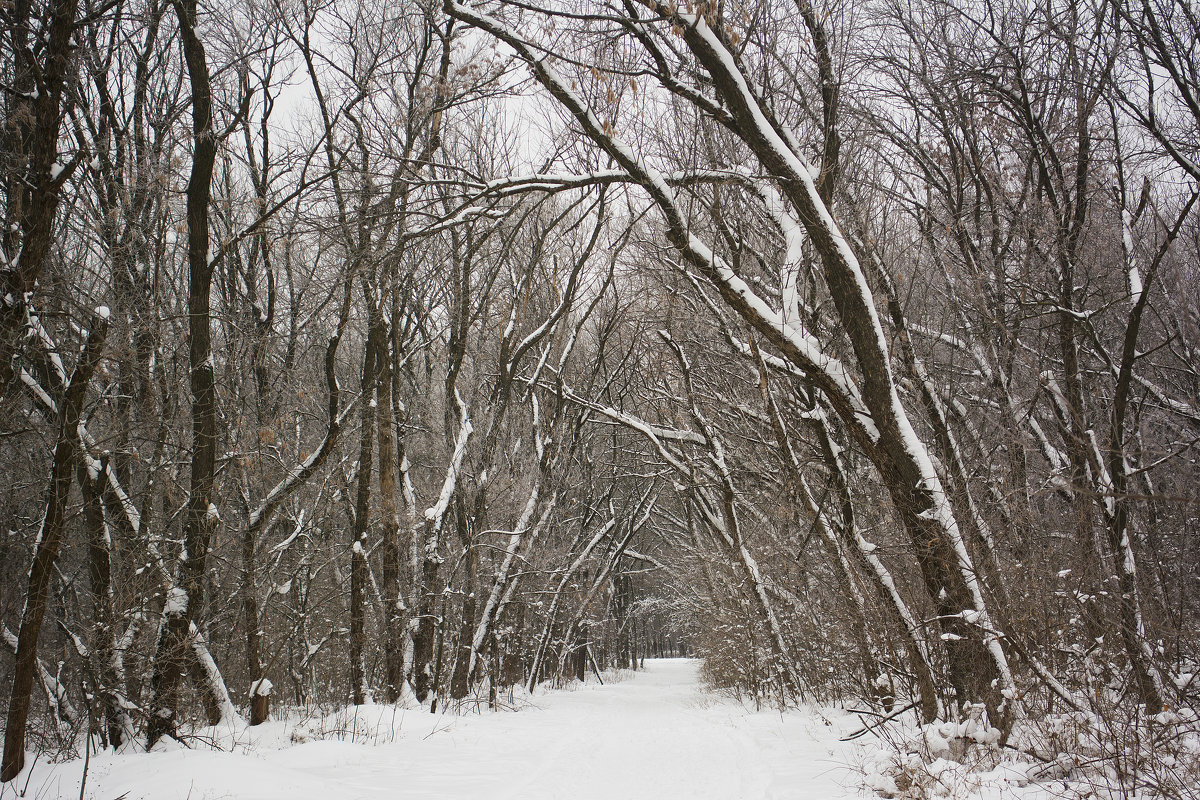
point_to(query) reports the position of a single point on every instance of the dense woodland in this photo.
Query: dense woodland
(414, 351)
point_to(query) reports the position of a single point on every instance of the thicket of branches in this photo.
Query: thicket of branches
(355, 350)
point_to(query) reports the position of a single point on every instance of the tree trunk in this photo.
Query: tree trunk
(362, 514)
(104, 656)
(50, 536)
(186, 600)
(389, 543)
(260, 704)
(460, 679)
(428, 623)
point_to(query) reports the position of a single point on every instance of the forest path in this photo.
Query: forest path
(654, 735)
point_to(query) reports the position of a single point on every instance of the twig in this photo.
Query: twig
(868, 728)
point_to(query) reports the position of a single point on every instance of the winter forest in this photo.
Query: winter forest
(439, 354)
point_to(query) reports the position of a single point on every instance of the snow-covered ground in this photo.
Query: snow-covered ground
(655, 734)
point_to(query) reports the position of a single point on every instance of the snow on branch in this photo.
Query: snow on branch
(435, 513)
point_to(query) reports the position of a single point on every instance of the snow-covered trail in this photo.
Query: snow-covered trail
(653, 735)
